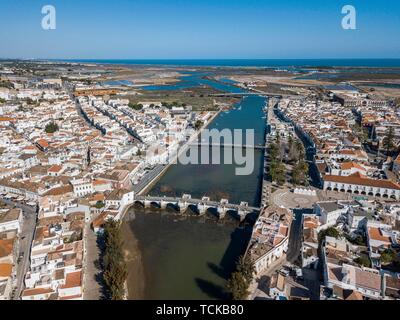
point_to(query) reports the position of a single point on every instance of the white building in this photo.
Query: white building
(362, 185)
(11, 219)
(270, 238)
(119, 199)
(82, 187)
(366, 281)
(309, 248)
(329, 212)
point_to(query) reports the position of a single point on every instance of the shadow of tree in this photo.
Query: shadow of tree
(211, 289)
(218, 270)
(236, 247)
(99, 277)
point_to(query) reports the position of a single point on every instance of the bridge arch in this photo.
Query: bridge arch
(155, 204)
(138, 203)
(172, 206)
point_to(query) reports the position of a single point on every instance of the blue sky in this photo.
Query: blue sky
(177, 29)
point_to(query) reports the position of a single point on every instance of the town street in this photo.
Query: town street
(24, 244)
(92, 288)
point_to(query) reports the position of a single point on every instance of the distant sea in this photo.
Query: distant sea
(377, 63)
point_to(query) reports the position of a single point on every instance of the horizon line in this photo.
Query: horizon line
(177, 59)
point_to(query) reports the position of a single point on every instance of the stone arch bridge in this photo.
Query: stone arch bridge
(202, 205)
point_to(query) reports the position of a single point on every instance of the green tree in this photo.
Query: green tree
(99, 204)
(397, 102)
(280, 174)
(361, 132)
(237, 286)
(115, 271)
(246, 267)
(6, 84)
(388, 140)
(300, 173)
(277, 172)
(51, 127)
(290, 142)
(278, 139)
(330, 232)
(273, 151)
(135, 106)
(363, 260)
(388, 256)
(358, 240)
(198, 124)
(241, 278)
(300, 149)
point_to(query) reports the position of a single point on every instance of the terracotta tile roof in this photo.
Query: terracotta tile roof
(99, 220)
(6, 247)
(5, 269)
(283, 230)
(43, 143)
(98, 197)
(350, 165)
(55, 168)
(74, 297)
(99, 182)
(36, 291)
(6, 119)
(335, 273)
(346, 151)
(368, 280)
(73, 279)
(59, 191)
(29, 148)
(311, 222)
(392, 287)
(376, 234)
(359, 179)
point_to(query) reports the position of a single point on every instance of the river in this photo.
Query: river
(191, 257)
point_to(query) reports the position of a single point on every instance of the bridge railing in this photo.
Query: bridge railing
(196, 202)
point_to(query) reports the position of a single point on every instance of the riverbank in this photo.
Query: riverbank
(135, 282)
